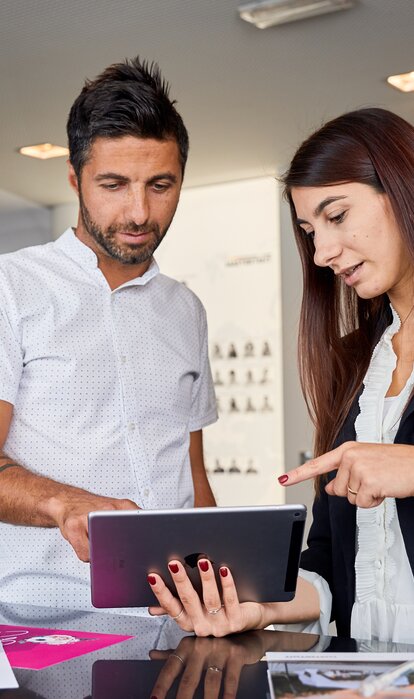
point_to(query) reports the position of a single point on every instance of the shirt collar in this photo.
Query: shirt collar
(396, 322)
(86, 258)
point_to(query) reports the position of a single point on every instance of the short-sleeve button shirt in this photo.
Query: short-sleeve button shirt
(106, 387)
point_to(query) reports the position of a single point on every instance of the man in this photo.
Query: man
(105, 383)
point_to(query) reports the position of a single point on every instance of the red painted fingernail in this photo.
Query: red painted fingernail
(151, 579)
(203, 565)
(283, 479)
(224, 572)
(173, 567)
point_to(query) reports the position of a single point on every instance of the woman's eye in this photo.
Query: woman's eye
(338, 218)
(308, 233)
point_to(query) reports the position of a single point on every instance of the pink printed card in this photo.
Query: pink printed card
(34, 648)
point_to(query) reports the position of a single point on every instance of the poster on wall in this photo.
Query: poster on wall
(224, 245)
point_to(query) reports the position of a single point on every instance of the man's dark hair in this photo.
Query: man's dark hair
(127, 99)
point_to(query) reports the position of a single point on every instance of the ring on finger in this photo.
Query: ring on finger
(175, 655)
(214, 668)
(215, 611)
(174, 618)
(353, 492)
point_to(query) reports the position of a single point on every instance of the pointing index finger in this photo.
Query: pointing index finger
(315, 467)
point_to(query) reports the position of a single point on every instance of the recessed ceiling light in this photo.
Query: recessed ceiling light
(403, 81)
(267, 13)
(44, 151)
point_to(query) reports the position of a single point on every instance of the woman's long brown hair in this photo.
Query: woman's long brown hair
(339, 330)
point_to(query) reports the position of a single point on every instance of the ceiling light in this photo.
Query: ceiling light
(267, 13)
(44, 151)
(403, 81)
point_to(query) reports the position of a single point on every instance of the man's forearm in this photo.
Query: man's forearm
(203, 495)
(36, 501)
(27, 498)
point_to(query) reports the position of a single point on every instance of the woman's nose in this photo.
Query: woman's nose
(327, 248)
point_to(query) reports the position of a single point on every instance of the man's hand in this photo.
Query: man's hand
(366, 473)
(31, 500)
(70, 510)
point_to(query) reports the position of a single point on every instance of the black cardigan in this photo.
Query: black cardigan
(331, 540)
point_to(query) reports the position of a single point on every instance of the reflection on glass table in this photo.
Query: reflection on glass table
(160, 661)
(198, 668)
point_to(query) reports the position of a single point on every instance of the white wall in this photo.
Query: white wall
(63, 217)
(224, 243)
(24, 227)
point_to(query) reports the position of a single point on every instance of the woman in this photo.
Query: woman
(351, 191)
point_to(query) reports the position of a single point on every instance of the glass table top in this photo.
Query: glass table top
(160, 660)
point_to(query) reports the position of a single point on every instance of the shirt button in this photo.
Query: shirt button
(146, 492)
(123, 359)
(378, 564)
(131, 426)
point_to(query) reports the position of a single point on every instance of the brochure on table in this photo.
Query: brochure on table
(317, 675)
(36, 648)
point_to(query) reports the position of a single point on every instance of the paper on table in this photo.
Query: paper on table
(7, 678)
(34, 648)
(324, 675)
(308, 656)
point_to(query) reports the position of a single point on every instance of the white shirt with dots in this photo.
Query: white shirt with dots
(106, 387)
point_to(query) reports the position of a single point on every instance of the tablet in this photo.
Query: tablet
(261, 546)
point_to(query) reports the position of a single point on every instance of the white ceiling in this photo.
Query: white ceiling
(248, 96)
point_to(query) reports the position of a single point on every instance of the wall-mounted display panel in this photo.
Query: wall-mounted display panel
(224, 244)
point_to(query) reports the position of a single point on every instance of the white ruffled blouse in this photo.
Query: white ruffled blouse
(384, 595)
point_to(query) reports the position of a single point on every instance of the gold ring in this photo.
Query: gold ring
(215, 611)
(175, 655)
(174, 618)
(353, 492)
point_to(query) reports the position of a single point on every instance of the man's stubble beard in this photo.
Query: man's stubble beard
(127, 254)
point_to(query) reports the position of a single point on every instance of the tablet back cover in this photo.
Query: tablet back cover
(261, 546)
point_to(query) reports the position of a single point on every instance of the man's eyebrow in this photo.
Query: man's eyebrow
(121, 178)
(111, 176)
(321, 206)
(163, 176)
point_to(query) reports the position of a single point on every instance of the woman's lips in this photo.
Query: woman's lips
(352, 274)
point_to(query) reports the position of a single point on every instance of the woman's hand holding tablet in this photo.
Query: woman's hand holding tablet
(219, 612)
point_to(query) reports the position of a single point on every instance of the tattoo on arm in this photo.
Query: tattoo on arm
(3, 468)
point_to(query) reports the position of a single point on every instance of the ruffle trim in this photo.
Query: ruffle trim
(368, 424)
(374, 524)
(383, 621)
